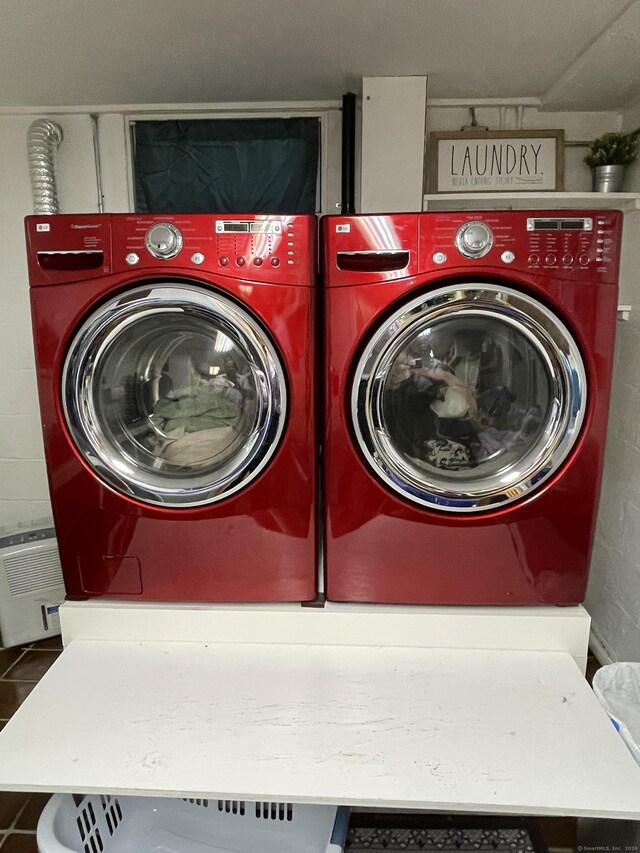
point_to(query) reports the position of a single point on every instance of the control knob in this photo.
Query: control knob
(474, 239)
(164, 240)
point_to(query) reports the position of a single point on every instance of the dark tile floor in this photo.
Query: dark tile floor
(20, 670)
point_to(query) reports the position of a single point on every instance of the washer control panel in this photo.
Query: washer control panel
(256, 247)
(270, 248)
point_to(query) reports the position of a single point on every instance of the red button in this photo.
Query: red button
(223, 260)
(257, 262)
(275, 262)
(240, 262)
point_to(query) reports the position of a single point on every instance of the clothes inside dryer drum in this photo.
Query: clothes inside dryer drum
(468, 396)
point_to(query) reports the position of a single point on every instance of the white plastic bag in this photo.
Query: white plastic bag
(617, 687)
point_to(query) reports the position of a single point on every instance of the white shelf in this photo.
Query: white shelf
(526, 200)
(448, 729)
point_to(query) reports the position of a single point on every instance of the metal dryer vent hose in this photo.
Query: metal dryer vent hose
(43, 137)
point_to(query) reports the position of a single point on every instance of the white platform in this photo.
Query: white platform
(346, 705)
(560, 629)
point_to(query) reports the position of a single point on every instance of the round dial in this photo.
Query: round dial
(164, 240)
(474, 239)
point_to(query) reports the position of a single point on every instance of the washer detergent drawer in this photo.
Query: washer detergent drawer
(458, 729)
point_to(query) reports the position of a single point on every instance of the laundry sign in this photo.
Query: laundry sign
(497, 161)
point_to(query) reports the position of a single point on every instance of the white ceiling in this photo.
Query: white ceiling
(579, 54)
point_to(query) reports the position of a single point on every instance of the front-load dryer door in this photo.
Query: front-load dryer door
(174, 395)
(468, 398)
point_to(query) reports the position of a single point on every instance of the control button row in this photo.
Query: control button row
(567, 260)
(223, 260)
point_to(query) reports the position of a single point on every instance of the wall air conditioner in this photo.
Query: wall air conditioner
(31, 586)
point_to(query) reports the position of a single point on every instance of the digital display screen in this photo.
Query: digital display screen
(559, 224)
(262, 227)
(236, 226)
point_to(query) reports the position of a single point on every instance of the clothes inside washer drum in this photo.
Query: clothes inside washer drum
(195, 448)
(205, 407)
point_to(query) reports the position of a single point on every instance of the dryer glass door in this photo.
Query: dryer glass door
(174, 395)
(468, 398)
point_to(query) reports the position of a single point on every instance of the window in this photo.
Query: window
(236, 165)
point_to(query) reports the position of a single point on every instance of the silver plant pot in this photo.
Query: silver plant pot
(608, 179)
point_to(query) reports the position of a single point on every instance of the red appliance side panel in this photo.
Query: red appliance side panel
(257, 545)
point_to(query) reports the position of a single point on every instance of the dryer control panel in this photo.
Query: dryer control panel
(576, 245)
(579, 246)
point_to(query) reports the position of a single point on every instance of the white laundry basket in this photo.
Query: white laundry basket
(617, 687)
(109, 824)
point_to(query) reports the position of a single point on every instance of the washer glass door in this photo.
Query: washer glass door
(468, 398)
(174, 395)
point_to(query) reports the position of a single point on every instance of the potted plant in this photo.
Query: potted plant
(608, 155)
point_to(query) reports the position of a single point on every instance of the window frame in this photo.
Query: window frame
(328, 183)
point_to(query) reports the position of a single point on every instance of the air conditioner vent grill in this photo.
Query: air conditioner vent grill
(32, 570)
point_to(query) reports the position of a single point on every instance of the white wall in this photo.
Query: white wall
(24, 495)
(613, 597)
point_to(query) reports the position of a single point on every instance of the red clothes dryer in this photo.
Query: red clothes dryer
(468, 369)
(177, 397)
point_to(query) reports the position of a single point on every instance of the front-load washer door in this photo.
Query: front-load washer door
(174, 395)
(468, 397)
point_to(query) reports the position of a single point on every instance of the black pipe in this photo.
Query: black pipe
(348, 152)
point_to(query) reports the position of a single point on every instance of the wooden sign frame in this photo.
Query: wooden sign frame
(496, 161)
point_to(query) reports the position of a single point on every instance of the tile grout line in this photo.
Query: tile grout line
(17, 660)
(4, 676)
(19, 815)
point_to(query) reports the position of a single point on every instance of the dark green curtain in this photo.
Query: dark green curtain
(226, 166)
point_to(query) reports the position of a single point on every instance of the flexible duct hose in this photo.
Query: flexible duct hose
(43, 137)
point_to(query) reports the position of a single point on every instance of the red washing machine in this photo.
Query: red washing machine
(177, 400)
(468, 371)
